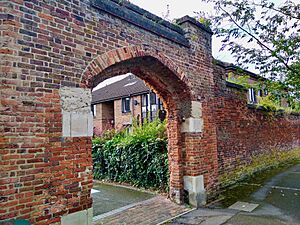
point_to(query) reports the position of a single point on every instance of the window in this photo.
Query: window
(252, 95)
(94, 107)
(145, 107)
(152, 106)
(125, 105)
(160, 104)
(152, 98)
(144, 100)
(260, 93)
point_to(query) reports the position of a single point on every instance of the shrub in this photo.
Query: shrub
(138, 156)
(271, 104)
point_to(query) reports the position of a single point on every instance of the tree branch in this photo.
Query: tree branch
(257, 40)
(277, 10)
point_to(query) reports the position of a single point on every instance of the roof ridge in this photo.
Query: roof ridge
(119, 89)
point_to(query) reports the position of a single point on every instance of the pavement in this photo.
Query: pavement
(109, 197)
(273, 200)
(276, 201)
(156, 210)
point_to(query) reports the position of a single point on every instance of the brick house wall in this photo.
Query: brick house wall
(121, 118)
(254, 79)
(104, 118)
(109, 115)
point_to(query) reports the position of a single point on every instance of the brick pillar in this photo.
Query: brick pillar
(199, 139)
(175, 157)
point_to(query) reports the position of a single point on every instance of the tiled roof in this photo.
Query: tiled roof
(129, 86)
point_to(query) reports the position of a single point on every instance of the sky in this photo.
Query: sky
(178, 9)
(181, 8)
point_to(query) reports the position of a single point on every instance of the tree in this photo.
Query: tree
(266, 35)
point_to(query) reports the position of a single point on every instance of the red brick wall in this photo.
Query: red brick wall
(104, 119)
(50, 44)
(244, 131)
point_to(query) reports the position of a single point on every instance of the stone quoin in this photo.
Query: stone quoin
(54, 52)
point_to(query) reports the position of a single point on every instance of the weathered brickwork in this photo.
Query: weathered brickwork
(244, 132)
(46, 45)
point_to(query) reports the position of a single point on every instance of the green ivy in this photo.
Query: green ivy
(270, 102)
(138, 157)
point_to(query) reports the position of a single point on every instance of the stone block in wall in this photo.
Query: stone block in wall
(84, 217)
(196, 111)
(76, 111)
(194, 185)
(193, 124)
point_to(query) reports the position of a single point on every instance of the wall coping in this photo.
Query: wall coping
(279, 112)
(194, 22)
(143, 19)
(236, 86)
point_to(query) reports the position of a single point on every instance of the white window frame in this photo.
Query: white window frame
(123, 102)
(252, 96)
(95, 110)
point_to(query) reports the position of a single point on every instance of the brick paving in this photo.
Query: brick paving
(150, 212)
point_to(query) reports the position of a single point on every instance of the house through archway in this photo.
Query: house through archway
(121, 101)
(169, 88)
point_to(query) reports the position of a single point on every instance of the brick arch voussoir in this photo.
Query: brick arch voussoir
(107, 59)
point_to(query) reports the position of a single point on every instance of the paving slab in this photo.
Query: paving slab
(93, 191)
(288, 201)
(242, 219)
(244, 206)
(291, 180)
(204, 217)
(108, 197)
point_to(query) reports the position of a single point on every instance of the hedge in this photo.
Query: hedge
(138, 157)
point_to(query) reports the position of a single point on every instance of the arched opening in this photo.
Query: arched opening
(162, 76)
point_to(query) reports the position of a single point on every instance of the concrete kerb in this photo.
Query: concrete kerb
(128, 187)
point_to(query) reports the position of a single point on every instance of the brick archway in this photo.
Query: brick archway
(53, 58)
(167, 79)
(52, 48)
(112, 57)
